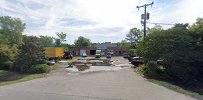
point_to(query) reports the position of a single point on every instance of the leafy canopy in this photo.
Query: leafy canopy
(11, 30)
(82, 42)
(134, 36)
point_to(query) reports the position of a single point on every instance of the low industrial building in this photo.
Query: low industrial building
(105, 48)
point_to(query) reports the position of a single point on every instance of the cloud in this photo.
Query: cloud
(76, 22)
(99, 20)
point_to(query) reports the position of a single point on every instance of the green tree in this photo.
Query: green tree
(124, 43)
(134, 36)
(82, 42)
(57, 43)
(60, 40)
(47, 41)
(180, 48)
(61, 36)
(7, 54)
(11, 30)
(31, 54)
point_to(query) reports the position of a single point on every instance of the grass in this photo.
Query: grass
(174, 87)
(177, 88)
(54, 67)
(8, 77)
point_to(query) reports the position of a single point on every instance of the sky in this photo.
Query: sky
(98, 20)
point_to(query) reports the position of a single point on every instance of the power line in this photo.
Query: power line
(145, 16)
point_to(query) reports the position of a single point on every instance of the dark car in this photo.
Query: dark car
(136, 61)
(67, 55)
(130, 58)
(108, 55)
(126, 55)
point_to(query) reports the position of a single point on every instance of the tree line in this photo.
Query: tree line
(180, 50)
(26, 54)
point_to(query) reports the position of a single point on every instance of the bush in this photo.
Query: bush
(154, 70)
(180, 48)
(6, 65)
(150, 70)
(31, 52)
(41, 68)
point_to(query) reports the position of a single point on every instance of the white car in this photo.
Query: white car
(84, 55)
(52, 62)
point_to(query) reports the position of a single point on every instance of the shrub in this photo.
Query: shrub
(154, 70)
(151, 70)
(6, 65)
(40, 68)
(180, 48)
(31, 52)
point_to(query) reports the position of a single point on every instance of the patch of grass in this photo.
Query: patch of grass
(54, 67)
(176, 88)
(169, 85)
(8, 77)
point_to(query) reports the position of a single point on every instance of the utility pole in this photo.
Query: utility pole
(145, 16)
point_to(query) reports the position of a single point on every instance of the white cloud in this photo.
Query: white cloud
(112, 18)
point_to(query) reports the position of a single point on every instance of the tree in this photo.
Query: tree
(134, 36)
(59, 42)
(124, 43)
(47, 41)
(61, 36)
(31, 53)
(82, 42)
(7, 54)
(180, 48)
(11, 30)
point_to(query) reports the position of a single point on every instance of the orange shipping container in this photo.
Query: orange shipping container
(54, 52)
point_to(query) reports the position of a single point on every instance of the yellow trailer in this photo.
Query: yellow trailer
(54, 52)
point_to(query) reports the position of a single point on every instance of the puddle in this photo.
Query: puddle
(93, 65)
(101, 68)
(75, 71)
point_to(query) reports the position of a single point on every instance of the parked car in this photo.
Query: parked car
(51, 62)
(98, 54)
(130, 58)
(84, 55)
(125, 55)
(111, 53)
(108, 55)
(67, 55)
(136, 61)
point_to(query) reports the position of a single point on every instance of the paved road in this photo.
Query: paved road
(112, 85)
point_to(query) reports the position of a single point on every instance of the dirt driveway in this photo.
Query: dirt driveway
(110, 85)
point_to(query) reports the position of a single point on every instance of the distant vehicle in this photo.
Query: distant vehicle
(108, 55)
(67, 55)
(130, 58)
(98, 54)
(111, 53)
(84, 55)
(82, 51)
(136, 61)
(54, 52)
(52, 62)
(125, 55)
